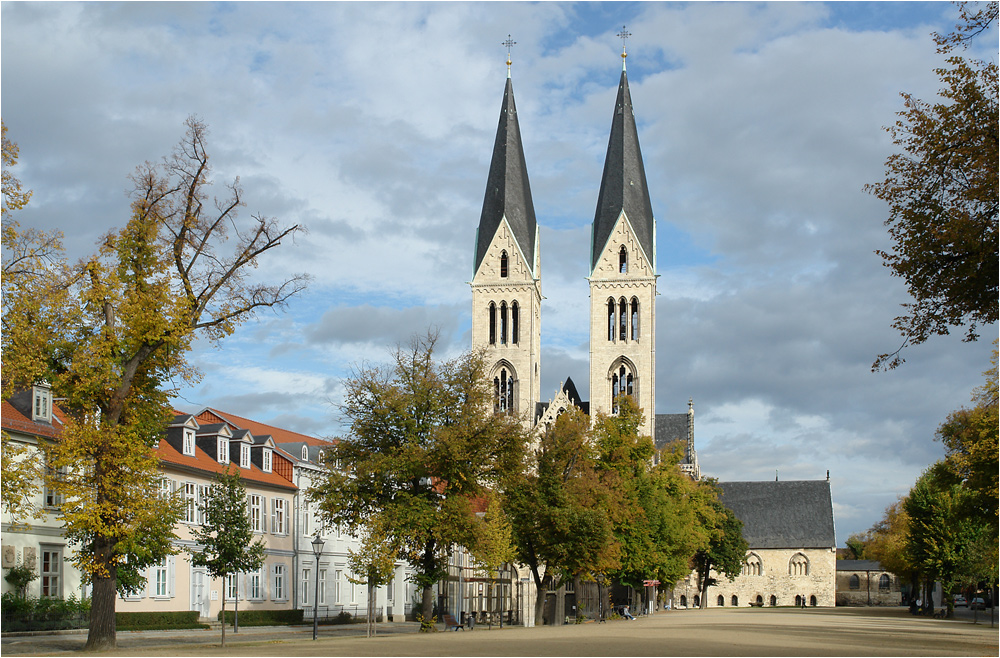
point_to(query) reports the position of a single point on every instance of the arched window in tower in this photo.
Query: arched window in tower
(622, 320)
(623, 260)
(611, 320)
(514, 320)
(503, 392)
(622, 383)
(503, 323)
(635, 319)
(493, 323)
(503, 264)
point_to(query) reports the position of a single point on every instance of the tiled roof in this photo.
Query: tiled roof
(859, 565)
(787, 514)
(668, 428)
(209, 415)
(14, 420)
(202, 462)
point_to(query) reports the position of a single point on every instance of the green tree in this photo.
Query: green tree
(375, 561)
(726, 551)
(422, 443)
(494, 546)
(942, 192)
(226, 544)
(558, 509)
(112, 333)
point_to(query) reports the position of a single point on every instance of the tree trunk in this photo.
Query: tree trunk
(102, 634)
(223, 611)
(427, 603)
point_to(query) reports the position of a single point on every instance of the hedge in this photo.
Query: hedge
(151, 621)
(265, 617)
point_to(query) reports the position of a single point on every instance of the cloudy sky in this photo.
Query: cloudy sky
(372, 124)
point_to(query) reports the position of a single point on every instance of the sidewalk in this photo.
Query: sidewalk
(71, 641)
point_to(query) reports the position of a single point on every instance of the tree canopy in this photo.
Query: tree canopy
(111, 334)
(942, 191)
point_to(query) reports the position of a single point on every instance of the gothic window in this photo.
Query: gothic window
(884, 582)
(623, 260)
(514, 321)
(855, 582)
(493, 323)
(503, 264)
(752, 566)
(798, 565)
(611, 320)
(503, 392)
(622, 317)
(503, 323)
(622, 383)
(635, 319)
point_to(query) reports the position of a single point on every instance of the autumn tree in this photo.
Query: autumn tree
(726, 551)
(373, 563)
(422, 443)
(226, 544)
(112, 337)
(558, 509)
(494, 546)
(942, 191)
(885, 542)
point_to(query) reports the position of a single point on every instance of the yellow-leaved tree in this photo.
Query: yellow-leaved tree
(112, 335)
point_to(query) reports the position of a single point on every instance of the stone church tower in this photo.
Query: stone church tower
(506, 283)
(623, 274)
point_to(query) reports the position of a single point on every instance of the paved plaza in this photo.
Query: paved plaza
(713, 632)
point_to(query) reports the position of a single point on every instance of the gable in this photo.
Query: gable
(518, 268)
(639, 263)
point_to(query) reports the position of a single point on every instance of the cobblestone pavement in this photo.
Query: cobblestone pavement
(713, 632)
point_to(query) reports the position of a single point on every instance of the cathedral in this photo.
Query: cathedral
(507, 285)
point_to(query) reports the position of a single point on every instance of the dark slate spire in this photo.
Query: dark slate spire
(508, 193)
(623, 186)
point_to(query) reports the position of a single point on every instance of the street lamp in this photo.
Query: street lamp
(317, 545)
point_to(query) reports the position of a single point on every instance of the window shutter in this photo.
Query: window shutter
(274, 515)
(171, 571)
(263, 514)
(264, 582)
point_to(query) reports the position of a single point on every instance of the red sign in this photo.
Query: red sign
(650, 583)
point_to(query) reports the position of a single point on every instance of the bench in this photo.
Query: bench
(757, 604)
(450, 623)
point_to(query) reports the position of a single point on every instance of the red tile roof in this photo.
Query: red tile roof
(202, 462)
(258, 429)
(14, 421)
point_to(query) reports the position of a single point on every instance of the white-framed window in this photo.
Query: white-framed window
(254, 585)
(188, 442)
(223, 450)
(53, 499)
(278, 516)
(305, 453)
(166, 487)
(190, 502)
(160, 579)
(354, 592)
(390, 586)
(256, 513)
(266, 460)
(279, 582)
(322, 586)
(232, 586)
(244, 455)
(338, 576)
(51, 572)
(306, 521)
(306, 577)
(203, 491)
(42, 409)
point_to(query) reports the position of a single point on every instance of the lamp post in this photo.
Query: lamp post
(317, 546)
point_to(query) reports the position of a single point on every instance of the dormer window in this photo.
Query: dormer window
(319, 457)
(244, 455)
(42, 407)
(188, 442)
(223, 450)
(305, 453)
(503, 264)
(266, 461)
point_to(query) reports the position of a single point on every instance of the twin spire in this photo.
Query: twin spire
(623, 184)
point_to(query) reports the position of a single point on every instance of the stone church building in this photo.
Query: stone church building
(791, 533)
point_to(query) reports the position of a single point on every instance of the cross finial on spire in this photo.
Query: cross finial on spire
(509, 42)
(624, 35)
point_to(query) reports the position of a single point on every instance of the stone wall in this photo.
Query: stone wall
(817, 585)
(867, 590)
